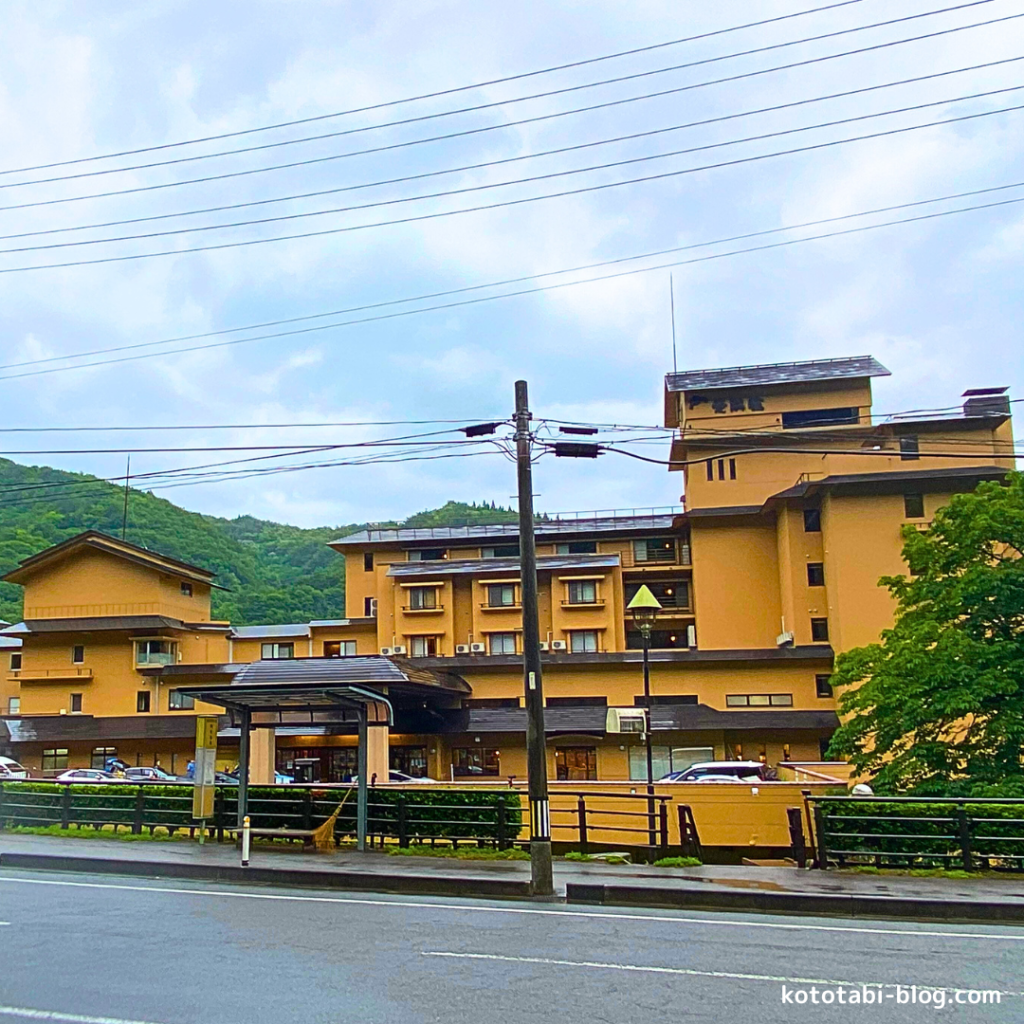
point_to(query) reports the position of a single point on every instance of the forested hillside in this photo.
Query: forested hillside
(274, 572)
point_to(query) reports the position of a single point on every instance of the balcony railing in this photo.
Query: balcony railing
(488, 607)
(410, 610)
(680, 555)
(583, 604)
(44, 675)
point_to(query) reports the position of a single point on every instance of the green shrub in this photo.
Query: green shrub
(678, 862)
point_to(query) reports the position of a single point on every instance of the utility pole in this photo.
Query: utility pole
(536, 749)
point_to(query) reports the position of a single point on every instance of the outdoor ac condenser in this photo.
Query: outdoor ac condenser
(477, 648)
(543, 645)
(385, 651)
(558, 645)
(626, 720)
(462, 648)
(398, 649)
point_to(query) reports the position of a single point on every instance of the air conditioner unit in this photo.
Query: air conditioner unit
(543, 645)
(398, 649)
(386, 651)
(462, 648)
(784, 638)
(626, 720)
(478, 648)
(559, 645)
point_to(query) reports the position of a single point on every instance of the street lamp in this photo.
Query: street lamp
(645, 608)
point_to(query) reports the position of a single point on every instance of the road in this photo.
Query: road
(91, 949)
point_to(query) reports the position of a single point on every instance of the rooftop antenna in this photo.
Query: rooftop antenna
(672, 305)
(124, 514)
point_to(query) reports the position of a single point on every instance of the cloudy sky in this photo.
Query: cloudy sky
(938, 301)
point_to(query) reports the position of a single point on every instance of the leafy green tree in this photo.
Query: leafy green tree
(937, 707)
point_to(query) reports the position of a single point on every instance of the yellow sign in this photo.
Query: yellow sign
(205, 767)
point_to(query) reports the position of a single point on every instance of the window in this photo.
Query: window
(100, 757)
(423, 646)
(501, 551)
(661, 639)
(370, 607)
(815, 574)
(501, 643)
(76, 703)
(473, 761)
(910, 449)
(667, 699)
(583, 592)
(15, 662)
(823, 685)
(665, 759)
(14, 705)
(670, 593)
(577, 547)
(155, 652)
(721, 469)
(410, 760)
(55, 759)
(426, 555)
(759, 700)
(819, 630)
(491, 702)
(583, 641)
(655, 549)
(819, 417)
(367, 561)
(913, 506)
(178, 701)
(812, 520)
(77, 655)
(576, 702)
(186, 589)
(576, 764)
(339, 648)
(501, 595)
(711, 469)
(732, 469)
(277, 652)
(422, 599)
(142, 702)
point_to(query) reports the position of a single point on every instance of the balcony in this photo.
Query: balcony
(486, 607)
(657, 558)
(583, 604)
(52, 675)
(432, 610)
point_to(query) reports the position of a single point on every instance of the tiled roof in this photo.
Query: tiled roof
(776, 373)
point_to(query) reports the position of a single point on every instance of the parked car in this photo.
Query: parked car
(394, 776)
(231, 778)
(147, 774)
(720, 771)
(10, 769)
(85, 775)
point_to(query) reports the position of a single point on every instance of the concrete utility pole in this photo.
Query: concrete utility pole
(536, 749)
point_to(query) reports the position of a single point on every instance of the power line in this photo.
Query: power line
(506, 203)
(486, 128)
(235, 426)
(503, 103)
(526, 156)
(445, 92)
(541, 288)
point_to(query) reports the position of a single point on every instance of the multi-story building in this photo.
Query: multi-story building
(794, 499)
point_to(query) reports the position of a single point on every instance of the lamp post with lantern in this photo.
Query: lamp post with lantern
(645, 607)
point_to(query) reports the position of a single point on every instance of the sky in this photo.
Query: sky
(938, 301)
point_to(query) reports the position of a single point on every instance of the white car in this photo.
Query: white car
(10, 769)
(85, 775)
(719, 771)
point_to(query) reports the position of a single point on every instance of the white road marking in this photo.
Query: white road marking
(690, 972)
(27, 1013)
(534, 911)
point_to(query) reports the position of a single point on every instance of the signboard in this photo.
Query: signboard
(204, 777)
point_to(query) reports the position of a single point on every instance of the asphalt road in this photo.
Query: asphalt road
(90, 949)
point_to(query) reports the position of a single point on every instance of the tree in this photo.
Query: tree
(937, 707)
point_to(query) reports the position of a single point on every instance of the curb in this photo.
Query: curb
(816, 904)
(422, 885)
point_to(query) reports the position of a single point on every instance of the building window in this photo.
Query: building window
(178, 701)
(55, 759)
(501, 643)
(14, 705)
(759, 700)
(721, 469)
(501, 551)
(823, 685)
(711, 469)
(102, 756)
(576, 702)
(155, 652)
(76, 703)
(426, 555)
(78, 655)
(583, 592)
(422, 599)
(277, 652)
(501, 595)
(670, 593)
(812, 520)
(410, 760)
(491, 702)
(913, 506)
(732, 469)
(655, 549)
(370, 607)
(142, 702)
(815, 574)
(583, 641)
(819, 630)
(910, 449)
(186, 589)
(665, 759)
(471, 761)
(661, 639)
(576, 764)
(577, 547)
(15, 662)
(339, 648)
(819, 417)
(423, 646)
(367, 561)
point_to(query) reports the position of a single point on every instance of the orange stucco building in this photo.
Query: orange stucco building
(794, 499)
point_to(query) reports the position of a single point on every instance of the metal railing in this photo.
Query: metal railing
(597, 826)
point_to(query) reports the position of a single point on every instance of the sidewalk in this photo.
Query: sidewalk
(726, 887)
